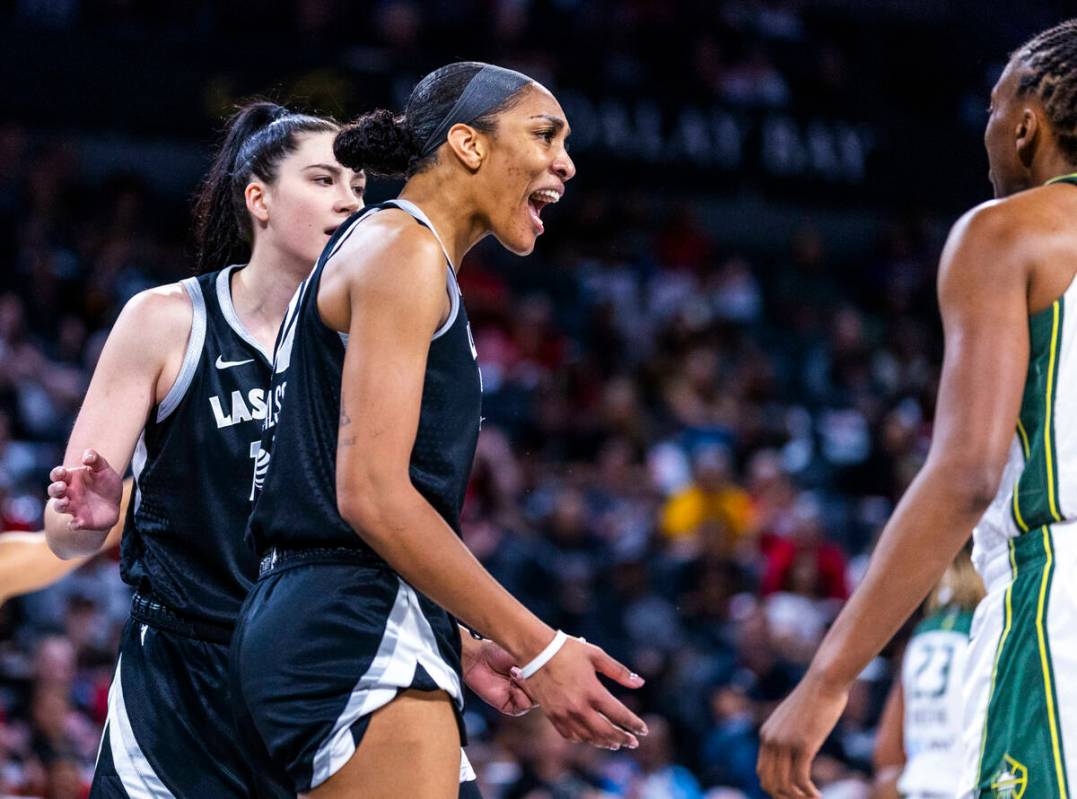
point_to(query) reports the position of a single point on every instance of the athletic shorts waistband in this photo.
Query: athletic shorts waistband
(278, 559)
(150, 611)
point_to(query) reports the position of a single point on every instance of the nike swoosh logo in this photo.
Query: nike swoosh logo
(223, 364)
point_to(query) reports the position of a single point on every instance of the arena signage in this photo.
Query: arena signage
(718, 137)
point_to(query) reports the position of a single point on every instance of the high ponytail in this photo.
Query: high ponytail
(381, 141)
(257, 138)
(391, 145)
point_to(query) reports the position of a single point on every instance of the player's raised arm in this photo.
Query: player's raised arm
(142, 356)
(27, 564)
(983, 283)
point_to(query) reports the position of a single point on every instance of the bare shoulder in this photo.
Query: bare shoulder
(986, 223)
(392, 249)
(168, 300)
(159, 319)
(1031, 215)
(1022, 243)
(989, 243)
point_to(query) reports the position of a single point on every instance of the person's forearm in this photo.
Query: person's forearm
(928, 528)
(27, 564)
(412, 537)
(67, 543)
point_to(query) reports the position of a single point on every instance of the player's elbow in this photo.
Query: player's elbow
(359, 513)
(57, 535)
(69, 545)
(971, 483)
(365, 500)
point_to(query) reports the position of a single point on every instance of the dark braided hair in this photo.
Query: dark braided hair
(1051, 62)
(390, 145)
(257, 138)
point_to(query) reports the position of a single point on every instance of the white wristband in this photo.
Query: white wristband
(545, 655)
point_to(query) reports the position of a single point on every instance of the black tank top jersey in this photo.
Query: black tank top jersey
(183, 545)
(297, 505)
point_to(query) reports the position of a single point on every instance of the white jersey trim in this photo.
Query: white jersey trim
(1065, 425)
(195, 341)
(134, 769)
(138, 463)
(228, 309)
(453, 287)
(408, 207)
(454, 306)
(997, 526)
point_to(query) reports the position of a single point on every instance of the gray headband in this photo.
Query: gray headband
(486, 90)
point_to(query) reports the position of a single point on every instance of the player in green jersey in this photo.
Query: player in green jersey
(1003, 459)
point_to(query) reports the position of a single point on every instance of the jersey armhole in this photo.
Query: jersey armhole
(454, 310)
(452, 287)
(454, 304)
(313, 283)
(193, 353)
(412, 210)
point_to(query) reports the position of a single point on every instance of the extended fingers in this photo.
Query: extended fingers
(57, 490)
(612, 736)
(600, 730)
(614, 669)
(597, 730)
(618, 714)
(565, 727)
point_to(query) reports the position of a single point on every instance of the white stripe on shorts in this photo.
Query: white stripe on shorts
(136, 774)
(1060, 626)
(408, 641)
(467, 773)
(987, 629)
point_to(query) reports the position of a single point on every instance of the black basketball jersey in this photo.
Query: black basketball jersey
(297, 505)
(183, 545)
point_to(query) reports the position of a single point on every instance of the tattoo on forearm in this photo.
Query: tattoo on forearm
(345, 420)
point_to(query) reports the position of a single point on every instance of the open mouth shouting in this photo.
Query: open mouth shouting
(537, 201)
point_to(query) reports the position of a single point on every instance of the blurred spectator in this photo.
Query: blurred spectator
(550, 767)
(803, 561)
(711, 501)
(729, 750)
(654, 775)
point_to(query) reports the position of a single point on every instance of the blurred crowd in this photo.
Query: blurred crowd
(688, 449)
(686, 454)
(731, 45)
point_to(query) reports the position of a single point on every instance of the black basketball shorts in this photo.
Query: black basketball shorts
(325, 638)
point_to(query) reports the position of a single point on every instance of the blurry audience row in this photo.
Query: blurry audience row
(686, 455)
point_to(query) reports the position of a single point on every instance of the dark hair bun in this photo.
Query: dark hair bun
(378, 142)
